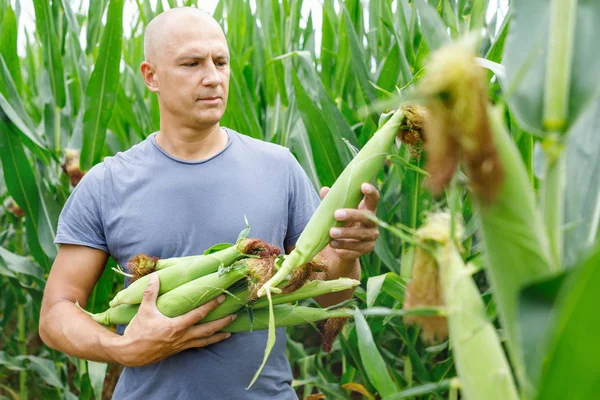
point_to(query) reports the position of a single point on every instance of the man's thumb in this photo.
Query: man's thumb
(151, 292)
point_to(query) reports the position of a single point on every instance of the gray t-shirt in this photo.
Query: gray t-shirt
(145, 201)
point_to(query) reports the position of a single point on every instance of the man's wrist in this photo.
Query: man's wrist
(338, 267)
(114, 346)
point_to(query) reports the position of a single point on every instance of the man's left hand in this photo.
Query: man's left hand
(358, 234)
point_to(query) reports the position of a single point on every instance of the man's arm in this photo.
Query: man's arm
(355, 238)
(151, 336)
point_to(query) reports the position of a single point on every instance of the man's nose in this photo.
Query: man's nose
(211, 76)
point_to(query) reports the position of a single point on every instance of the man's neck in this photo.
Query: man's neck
(192, 144)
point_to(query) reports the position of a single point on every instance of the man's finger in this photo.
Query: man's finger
(352, 216)
(208, 328)
(371, 196)
(151, 293)
(323, 192)
(197, 314)
(354, 245)
(203, 342)
(362, 234)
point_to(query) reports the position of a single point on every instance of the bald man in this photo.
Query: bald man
(178, 192)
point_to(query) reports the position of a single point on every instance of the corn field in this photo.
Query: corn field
(490, 206)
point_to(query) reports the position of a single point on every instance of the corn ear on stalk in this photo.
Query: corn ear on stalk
(345, 193)
(480, 361)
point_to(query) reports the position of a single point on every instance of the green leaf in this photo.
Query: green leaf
(569, 355)
(8, 88)
(358, 63)
(270, 339)
(432, 26)
(328, 163)
(422, 390)
(370, 356)
(582, 191)
(101, 91)
(19, 264)
(97, 374)
(46, 369)
(374, 285)
(8, 47)
(526, 56)
(12, 363)
(50, 50)
(391, 283)
(21, 184)
(536, 305)
(94, 20)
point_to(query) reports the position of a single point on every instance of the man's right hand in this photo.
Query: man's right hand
(151, 336)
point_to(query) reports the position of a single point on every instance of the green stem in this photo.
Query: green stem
(553, 203)
(22, 349)
(57, 147)
(558, 66)
(408, 250)
(556, 108)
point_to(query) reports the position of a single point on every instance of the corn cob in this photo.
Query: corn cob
(190, 269)
(237, 299)
(179, 300)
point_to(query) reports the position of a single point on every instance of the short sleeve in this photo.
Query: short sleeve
(303, 200)
(80, 220)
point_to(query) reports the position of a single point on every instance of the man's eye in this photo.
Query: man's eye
(221, 63)
(190, 64)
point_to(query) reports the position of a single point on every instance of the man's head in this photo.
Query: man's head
(187, 65)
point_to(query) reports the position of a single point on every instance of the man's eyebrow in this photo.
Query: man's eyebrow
(201, 56)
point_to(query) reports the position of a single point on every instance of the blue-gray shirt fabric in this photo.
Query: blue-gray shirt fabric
(145, 201)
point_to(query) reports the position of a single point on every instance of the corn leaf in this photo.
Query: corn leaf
(101, 91)
(421, 390)
(526, 56)
(46, 369)
(358, 63)
(20, 264)
(536, 306)
(27, 136)
(328, 164)
(582, 192)
(568, 355)
(8, 47)
(50, 49)
(432, 27)
(270, 340)
(94, 26)
(21, 184)
(375, 366)
(97, 373)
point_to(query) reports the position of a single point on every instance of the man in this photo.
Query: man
(178, 192)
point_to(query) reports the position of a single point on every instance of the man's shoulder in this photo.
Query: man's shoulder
(258, 147)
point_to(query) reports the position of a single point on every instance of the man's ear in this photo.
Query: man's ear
(149, 74)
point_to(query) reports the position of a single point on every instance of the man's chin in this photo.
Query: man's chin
(207, 120)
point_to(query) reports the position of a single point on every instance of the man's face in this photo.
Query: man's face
(193, 71)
